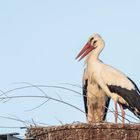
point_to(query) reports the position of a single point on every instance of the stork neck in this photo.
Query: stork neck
(94, 55)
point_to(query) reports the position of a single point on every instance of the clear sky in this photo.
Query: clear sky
(39, 40)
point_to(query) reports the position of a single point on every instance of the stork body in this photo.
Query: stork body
(113, 82)
(95, 100)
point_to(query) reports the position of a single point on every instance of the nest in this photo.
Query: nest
(84, 131)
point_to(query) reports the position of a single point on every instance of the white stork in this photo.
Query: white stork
(96, 101)
(108, 81)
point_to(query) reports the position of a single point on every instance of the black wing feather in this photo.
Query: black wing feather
(132, 97)
(134, 85)
(85, 96)
(106, 108)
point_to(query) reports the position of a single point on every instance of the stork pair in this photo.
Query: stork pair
(102, 82)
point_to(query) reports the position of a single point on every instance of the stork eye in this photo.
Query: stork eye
(94, 41)
(91, 39)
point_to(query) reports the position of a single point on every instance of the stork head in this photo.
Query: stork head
(94, 42)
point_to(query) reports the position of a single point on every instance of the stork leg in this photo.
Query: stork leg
(123, 114)
(116, 112)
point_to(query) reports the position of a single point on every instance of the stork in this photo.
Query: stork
(108, 80)
(96, 101)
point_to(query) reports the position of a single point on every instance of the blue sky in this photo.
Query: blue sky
(38, 44)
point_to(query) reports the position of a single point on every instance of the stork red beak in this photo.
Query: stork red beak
(86, 49)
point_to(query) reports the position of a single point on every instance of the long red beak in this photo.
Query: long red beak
(86, 49)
